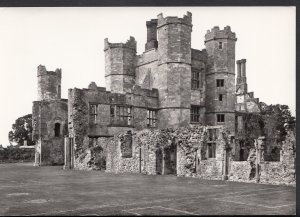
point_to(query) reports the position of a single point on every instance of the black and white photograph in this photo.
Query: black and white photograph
(132, 111)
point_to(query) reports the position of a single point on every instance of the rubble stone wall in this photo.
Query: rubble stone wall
(117, 163)
(240, 171)
(210, 169)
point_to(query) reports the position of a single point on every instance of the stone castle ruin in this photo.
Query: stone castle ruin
(170, 110)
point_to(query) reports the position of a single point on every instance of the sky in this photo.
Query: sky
(73, 39)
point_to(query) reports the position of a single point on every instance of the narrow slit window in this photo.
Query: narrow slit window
(220, 97)
(57, 130)
(220, 45)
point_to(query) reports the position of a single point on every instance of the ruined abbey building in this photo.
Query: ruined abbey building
(169, 86)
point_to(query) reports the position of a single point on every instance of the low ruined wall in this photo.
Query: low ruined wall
(93, 155)
(117, 163)
(277, 173)
(210, 169)
(53, 152)
(182, 169)
(240, 171)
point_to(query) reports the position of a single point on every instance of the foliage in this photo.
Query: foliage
(21, 130)
(276, 118)
(271, 122)
(14, 153)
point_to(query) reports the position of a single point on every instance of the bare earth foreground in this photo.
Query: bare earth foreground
(28, 190)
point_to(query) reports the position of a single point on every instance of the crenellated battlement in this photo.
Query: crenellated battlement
(186, 20)
(130, 44)
(216, 33)
(43, 71)
(152, 22)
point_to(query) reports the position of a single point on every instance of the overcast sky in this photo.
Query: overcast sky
(73, 39)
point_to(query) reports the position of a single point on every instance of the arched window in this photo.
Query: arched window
(57, 129)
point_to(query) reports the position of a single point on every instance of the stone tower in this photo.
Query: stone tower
(49, 84)
(120, 65)
(174, 69)
(220, 77)
(49, 118)
(241, 80)
(151, 34)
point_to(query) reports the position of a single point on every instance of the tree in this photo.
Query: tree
(275, 118)
(21, 131)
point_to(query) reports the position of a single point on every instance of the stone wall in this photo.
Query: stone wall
(83, 126)
(220, 65)
(210, 169)
(49, 84)
(269, 172)
(45, 116)
(94, 155)
(240, 171)
(149, 146)
(118, 163)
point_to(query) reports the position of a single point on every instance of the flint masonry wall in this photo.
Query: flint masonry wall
(269, 172)
(148, 146)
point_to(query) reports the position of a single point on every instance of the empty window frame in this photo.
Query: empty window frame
(195, 114)
(93, 112)
(220, 45)
(121, 115)
(212, 135)
(220, 82)
(195, 83)
(211, 149)
(220, 118)
(151, 118)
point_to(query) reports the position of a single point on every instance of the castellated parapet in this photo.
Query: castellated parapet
(49, 84)
(186, 20)
(216, 33)
(220, 77)
(130, 44)
(120, 65)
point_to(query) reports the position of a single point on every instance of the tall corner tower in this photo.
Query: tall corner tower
(220, 77)
(120, 65)
(174, 68)
(49, 84)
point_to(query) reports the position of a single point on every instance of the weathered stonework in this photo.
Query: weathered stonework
(170, 110)
(50, 119)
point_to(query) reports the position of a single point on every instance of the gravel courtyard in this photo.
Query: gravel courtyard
(28, 190)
